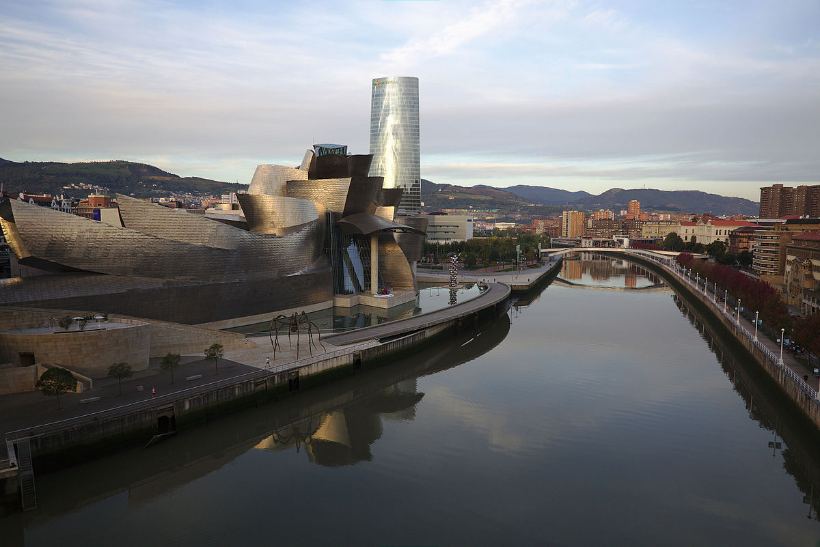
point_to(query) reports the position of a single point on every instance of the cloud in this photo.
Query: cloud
(570, 92)
(480, 21)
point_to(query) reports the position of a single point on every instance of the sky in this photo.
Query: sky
(581, 95)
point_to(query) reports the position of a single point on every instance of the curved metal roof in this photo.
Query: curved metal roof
(366, 224)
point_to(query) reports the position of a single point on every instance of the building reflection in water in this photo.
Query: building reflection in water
(343, 436)
(596, 269)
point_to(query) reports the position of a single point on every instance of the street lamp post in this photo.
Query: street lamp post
(738, 312)
(725, 297)
(782, 336)
(714, 296)
(756, 314)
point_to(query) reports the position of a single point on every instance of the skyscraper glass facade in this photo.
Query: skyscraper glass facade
(394, 138)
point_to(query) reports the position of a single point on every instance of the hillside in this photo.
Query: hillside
(137, 179)
(543, 194)
(449, 196)
(515, 198)
(675, 200)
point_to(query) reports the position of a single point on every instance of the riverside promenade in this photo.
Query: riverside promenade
(522, 281)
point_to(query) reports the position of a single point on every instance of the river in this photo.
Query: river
(600, 411)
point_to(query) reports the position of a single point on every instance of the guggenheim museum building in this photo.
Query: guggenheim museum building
(312, 233)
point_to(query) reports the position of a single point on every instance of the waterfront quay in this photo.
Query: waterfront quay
(519, 281)
(251, 373)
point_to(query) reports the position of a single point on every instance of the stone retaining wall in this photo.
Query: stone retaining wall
(14, 379)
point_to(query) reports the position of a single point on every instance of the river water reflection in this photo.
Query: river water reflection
(583, 417)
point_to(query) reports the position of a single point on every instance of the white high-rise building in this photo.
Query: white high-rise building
(394, 138)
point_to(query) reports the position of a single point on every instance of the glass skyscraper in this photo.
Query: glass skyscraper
(394, 138)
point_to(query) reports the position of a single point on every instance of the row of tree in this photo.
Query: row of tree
(754, 294)
(56, 380)
(482, 252)
(757, 295)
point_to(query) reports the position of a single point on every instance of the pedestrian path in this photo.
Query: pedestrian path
(517, 280)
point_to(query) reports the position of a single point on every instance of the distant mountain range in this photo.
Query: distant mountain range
(125, 177)
(438, 196)
(142, 180)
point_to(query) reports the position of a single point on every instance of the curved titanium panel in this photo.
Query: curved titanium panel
(386, 213)
(331, 193)
(306, 159)
(270, 179)
(176, 224)
(394, 268)
(389, 196)
(358, 165)
(9, 229)
(387, 200)
(412, 244)
(328, 167)
(366, 224)
(275, 214)
(362, 195)
(86, 245)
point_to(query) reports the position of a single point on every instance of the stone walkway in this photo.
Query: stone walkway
(517, 280)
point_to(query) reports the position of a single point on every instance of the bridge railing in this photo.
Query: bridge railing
(680, 273)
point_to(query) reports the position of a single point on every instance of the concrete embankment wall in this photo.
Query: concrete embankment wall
(164, 337)
(787, 385)
(542, 280)
(14, 379)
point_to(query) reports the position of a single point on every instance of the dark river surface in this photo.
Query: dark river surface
(588, 415)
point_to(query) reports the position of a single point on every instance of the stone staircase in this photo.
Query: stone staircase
(25, 476)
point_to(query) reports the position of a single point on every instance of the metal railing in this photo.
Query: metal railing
(672, 266)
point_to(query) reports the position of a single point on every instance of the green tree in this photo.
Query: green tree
(120, 371)
(745, 259)
(56, 381)
(215, 352)
(170, 362)
(716, 249)
(673, 242)
(470, 260)
(728, 259)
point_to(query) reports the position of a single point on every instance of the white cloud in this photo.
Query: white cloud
(512, 91)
